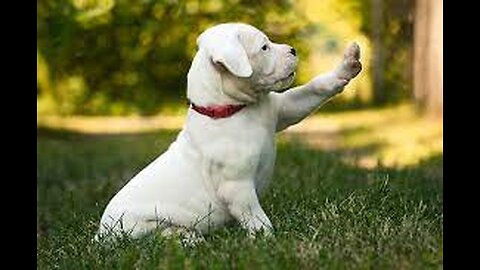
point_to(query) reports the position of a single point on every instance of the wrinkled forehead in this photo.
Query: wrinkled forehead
(251, 37)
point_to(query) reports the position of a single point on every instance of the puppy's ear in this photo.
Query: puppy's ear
(225, 48)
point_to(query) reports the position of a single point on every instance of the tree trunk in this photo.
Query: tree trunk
(428, 56)
(378, 54)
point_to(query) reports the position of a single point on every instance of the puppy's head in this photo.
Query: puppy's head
(248, 62)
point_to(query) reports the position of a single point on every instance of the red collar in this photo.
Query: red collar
(218, 111)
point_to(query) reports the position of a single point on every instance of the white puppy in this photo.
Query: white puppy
(222, 159)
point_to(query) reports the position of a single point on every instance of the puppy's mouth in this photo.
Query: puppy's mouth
(278, 85)
(285, 82)
(287, 78)
(291, 75)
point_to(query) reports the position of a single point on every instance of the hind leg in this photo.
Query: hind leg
(127, 225)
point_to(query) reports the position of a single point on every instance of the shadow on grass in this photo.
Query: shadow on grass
(67, 134)
(326, 213)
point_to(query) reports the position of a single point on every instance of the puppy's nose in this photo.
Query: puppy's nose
(293, 51)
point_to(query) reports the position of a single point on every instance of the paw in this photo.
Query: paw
(350, 66)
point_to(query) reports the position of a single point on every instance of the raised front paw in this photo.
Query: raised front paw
(350, 66)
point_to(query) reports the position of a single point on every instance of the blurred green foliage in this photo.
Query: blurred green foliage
(132, 57)
(396, 39)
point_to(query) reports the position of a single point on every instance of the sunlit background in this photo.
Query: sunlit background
(118, 66)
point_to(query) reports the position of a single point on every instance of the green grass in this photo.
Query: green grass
(327, 214)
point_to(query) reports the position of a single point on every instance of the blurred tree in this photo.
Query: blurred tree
(407, 50)
(389, 24)
(132, 56)
(428, 50)
(378, 60)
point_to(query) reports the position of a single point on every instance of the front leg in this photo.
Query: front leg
(242, 202)
(297, 103)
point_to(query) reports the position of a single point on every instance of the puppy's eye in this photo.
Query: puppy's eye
(264, 47)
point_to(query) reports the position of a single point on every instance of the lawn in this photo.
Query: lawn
(327, 213)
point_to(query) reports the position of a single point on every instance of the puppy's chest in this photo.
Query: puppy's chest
(240, 148)
(243, 159)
